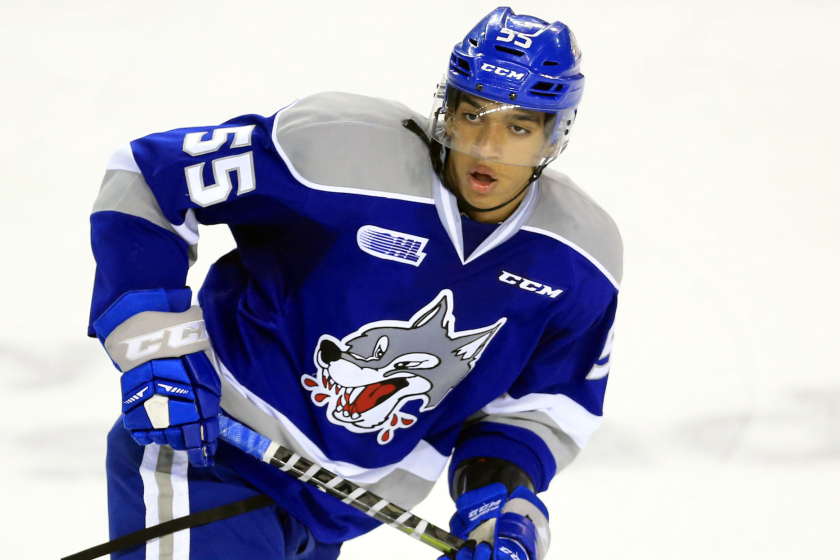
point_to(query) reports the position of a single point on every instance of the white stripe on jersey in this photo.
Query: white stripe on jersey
(123, 160)
(577, 422)
(583, 253)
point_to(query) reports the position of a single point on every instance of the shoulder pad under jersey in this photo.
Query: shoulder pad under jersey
(568, 214)
(353, 141)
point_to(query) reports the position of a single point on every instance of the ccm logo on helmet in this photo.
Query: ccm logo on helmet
(174, 337)
(503, 71)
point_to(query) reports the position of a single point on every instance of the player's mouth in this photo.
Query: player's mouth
(482, 179)
(355, 401)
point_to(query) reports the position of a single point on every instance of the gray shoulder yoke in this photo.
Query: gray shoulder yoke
(352, 143)
(355, 142)
(569, 215)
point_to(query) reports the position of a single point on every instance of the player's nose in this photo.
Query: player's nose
(329, 352)
(489, 142)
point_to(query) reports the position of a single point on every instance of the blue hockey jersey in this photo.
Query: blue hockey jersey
(362, 321)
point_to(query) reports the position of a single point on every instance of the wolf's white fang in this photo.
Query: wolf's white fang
(354, 394)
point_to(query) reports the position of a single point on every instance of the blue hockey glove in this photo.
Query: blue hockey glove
(171, 393)
(506, 527)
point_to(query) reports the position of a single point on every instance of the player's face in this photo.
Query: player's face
(484, 135)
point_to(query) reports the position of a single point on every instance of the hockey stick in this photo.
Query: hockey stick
(197, 519)
(305, 470)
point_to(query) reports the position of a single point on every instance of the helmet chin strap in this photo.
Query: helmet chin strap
(439, 169)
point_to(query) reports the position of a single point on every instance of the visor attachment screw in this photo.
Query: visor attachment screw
(512, 96)
(479, 87)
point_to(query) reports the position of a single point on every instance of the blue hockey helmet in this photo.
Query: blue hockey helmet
(510, 65)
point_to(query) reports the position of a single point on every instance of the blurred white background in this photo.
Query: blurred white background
(709, 130)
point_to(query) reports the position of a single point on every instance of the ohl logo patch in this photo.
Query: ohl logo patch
(365, 379)
(391, 245)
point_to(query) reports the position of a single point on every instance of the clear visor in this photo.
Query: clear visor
(501, 132)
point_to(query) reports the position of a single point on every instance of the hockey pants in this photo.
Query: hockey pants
(152, 484)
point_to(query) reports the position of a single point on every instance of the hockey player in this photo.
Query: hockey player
(404, 290)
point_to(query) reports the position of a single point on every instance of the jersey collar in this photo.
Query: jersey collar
(450, 217)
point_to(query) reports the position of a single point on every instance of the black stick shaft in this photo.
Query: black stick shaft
(348, 492)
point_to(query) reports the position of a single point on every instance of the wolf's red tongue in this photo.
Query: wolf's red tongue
(371, 395)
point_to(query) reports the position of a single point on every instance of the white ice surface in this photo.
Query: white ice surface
(709, 130)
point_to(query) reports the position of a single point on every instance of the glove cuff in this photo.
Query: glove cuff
(524, 506)
(489, 514)
(152, 335)
(476, 507)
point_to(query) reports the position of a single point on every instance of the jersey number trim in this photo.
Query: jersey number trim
(242, 164)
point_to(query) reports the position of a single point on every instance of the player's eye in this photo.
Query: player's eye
(519, 130)
(471, 117)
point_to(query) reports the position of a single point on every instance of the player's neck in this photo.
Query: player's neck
(496, 216)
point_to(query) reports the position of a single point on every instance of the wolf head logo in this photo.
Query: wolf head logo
(365, 379)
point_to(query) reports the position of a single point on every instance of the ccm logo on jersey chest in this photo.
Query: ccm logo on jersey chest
(529, 285)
